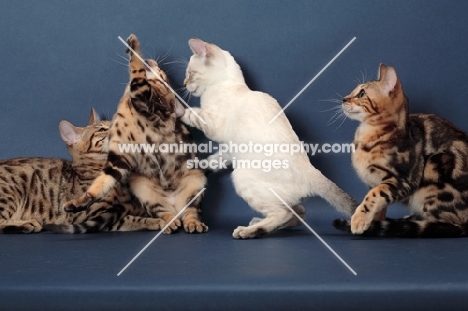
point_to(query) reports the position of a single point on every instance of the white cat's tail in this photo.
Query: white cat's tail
(328, 190)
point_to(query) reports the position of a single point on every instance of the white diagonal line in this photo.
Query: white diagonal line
(160, 232)
(313, 79)
(312, 230)
(164, 82)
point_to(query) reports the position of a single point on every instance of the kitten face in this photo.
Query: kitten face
(153, 76)
(363, 101)
(208, 64)
(193, 79)
(95, 138)
(375, 99)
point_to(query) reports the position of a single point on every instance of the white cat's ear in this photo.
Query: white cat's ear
(178, 108)
(199, 47)
(93, 117)
(388, 79)
(69, 133)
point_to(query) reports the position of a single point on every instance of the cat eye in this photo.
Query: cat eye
(102, 129)
(361, 94)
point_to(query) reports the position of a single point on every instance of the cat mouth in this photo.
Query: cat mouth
(192, 89)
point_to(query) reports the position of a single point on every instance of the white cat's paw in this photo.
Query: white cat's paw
(361, 220)
(248, 232)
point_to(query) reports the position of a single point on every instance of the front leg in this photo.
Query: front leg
(376, 201)
(201, 119)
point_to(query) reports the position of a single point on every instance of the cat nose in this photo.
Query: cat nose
(345, 99)
(185, 81)
(151, 63)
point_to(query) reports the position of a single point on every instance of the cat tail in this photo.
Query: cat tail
(89, 226)
(407, 228)
(328, 190)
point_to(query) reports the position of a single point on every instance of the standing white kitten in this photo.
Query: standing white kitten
(234, 114)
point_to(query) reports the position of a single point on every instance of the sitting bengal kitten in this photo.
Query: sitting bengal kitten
(420, 159)
(34, 189)
(147, 113)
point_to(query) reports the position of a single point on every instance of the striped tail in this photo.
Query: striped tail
(407, 228)
(89, 226)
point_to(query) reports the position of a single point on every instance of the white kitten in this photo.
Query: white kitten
(235, 114)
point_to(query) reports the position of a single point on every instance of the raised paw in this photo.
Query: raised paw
(78, 205)
(195, 226)
(133, 43)
(361, 220)
(250, 232)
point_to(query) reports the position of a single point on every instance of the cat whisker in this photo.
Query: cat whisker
(337, 108)
(339, 115)
(331, 100)
(120, 63)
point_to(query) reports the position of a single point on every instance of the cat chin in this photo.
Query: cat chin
(358, 116)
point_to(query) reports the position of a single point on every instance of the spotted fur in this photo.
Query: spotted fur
(418, 159)
(34, 189)
(147, 113)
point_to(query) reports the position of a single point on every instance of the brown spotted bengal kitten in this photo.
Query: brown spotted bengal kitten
(33, 190)
(420, 159)
(147, 113)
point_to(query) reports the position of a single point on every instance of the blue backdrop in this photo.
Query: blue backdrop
(60, 58)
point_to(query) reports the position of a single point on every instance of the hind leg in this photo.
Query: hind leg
(294, 222)
(249, 185)
(154, 201)
(190, 185)
(20, 226)
(276, 216)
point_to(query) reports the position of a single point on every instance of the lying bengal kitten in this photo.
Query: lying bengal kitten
(420, 159)
(147, 113)
(34, 189)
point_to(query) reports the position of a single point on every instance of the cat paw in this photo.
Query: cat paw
(155, 224)
(78, 205)
(195, 226)
(361, 220)
(31, 226)
(28, 226)
(248, 232)
(133, 43)
(173, 227)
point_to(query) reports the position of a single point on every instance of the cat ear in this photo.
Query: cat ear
(381, 72)
(93, 117)
(388, 79)
(69, 133)
(178, 108)
(199, 47)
